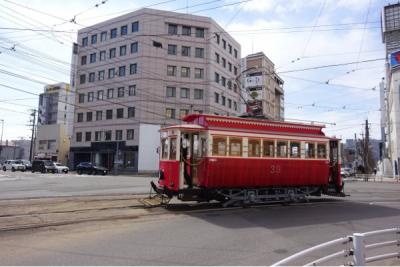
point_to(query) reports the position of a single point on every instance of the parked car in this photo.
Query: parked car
(27, 163)
(344, 172)
(61, 168)
(90, 168)
(13, 165)
(43, 166)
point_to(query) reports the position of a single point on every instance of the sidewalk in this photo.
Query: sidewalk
(372, 178)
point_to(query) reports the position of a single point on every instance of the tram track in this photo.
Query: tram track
(90, 209)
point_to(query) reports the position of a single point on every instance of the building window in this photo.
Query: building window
(235, 87)
(131, 112)
(199, 52)
(219, 146)
(132, 90)
(121, 71)
(111, 73)
(122, 50)
(229, 66)
(133, 68)
(107, 135)
(118, 135)
(223, 100)
(230, 49)
(113, 51)
(200, 32)
(121, 91)
(171, 91)
(281, 149)
(186, 51)
(229, 103)
(230, 85)
(103, 36)
(83, 60)
(217, 57)
(235, 70)
(109, 114)
(88, 136)
(223, 81)
(183, 113)
(235, 105)
(89, 116)
(80, 117)
(110, 93)
(135, 26)
(100, 95)
(81, 98)
(170, 113)
(113, 33)
(94, 39)
(130, 134)
(102, 55)
(198, 93)
(294, 149)
(216, 97)
(134, 47)
(129, 159)
(199, 73)
(82, 79)
(93, 58)
(172, 29)
(84, 41)
(91, 77)
(78, 137)
(235, 52)
(269, 148)
(172, 49)
(224, 62)
(216, 79)
(186, 30)
(97, 135)
(120, 113)
(185, 72)
(185, 93)
(99, 115)
(90, 97)
(124, 30)
(171, 70)
(223, 43)
(217, 38)
(101, 75)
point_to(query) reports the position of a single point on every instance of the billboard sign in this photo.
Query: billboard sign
(254, 81)
(395, 60)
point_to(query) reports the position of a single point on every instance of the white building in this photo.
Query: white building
(143, 70)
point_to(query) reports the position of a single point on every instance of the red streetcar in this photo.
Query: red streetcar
(241, 160)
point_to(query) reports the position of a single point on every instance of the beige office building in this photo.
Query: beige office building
(263, 88)
(144, 70)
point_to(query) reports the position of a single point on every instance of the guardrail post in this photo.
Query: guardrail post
(359, 249)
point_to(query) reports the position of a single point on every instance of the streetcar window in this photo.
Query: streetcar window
(164, 148)
(310, 150)
(235, 147)
(321, 151)
(203, 147)
(281, 149)
(219, 146)
(172, 149)
(254, 148)
(294, 149)
(269, 148)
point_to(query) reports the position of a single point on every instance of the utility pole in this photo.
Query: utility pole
(33, 114)
(1, 136)
(367, 147)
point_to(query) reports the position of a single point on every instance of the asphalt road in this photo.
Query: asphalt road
(15, 185)
(252, 236)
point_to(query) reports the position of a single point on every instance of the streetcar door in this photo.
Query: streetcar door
(334, 161)
(191, 155)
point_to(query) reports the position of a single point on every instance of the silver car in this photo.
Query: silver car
(13, 165)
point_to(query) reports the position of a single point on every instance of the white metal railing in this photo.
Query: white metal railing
(358, 250)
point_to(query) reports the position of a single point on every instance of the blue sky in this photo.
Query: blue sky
(294, 34)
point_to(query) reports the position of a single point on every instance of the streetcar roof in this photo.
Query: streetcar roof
(195, 127)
